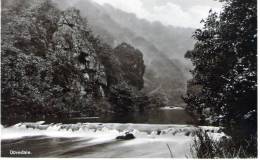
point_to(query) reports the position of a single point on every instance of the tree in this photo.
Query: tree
(225, 60)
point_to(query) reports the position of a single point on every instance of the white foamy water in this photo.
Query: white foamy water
(171, 108)
(150, 139)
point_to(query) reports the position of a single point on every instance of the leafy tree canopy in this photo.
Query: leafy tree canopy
(225, 60)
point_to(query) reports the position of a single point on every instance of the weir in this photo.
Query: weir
(150, 140)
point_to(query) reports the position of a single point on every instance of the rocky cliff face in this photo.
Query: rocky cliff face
(124, 69)
(52, 65)
(131, 63)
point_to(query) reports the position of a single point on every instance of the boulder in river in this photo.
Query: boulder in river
(127, 136)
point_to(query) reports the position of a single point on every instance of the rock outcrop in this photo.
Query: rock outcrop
(132, 64)
(52, 66)
(127, 136)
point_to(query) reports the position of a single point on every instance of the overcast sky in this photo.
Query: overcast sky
(183, 13)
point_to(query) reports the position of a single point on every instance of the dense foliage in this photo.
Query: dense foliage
(53, 66)
(205, 146)
(225, 60)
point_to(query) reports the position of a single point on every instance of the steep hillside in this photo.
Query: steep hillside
(172, 41)
(52, 65)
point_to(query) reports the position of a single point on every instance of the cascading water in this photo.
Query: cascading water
(99, 139)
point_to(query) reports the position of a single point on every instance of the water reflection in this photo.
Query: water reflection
(157, 116)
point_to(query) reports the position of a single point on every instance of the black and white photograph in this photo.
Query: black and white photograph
(129, 79)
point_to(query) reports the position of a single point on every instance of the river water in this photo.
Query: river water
(164, 133)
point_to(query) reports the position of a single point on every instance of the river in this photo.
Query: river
(163, 133)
